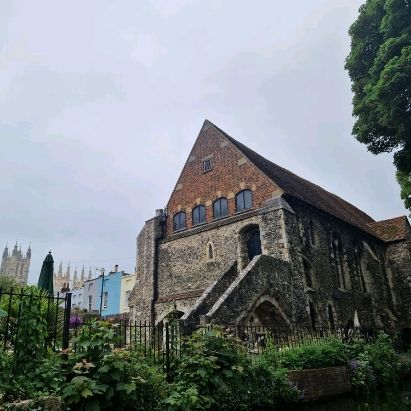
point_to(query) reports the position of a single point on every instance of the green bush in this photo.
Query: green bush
(215, 373)
(31, 323)
(40, 378)
(102, 378)
(328, 352)
(383, 359)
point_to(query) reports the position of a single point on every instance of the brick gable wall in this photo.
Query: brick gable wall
(230, 174)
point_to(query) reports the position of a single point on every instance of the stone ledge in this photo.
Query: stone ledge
(180, 296)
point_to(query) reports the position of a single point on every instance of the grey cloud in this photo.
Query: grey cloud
(101, 102)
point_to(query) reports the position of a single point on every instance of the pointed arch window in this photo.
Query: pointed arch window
(313, 239)
(338, 254)
(308, 273)
(199, 215)
(313, 315)
(210, 252)
(179, 221)
(330, 316)
(220, 207)
(244, 200)
(358, 267)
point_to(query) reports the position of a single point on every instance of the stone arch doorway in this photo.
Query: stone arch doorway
(266, 312)
(249, 244)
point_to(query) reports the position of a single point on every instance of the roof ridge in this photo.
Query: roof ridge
(390, 219)
(350, 209)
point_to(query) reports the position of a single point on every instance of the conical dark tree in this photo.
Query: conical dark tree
(46, 274)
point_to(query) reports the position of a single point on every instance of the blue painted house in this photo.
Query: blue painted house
(111, 293)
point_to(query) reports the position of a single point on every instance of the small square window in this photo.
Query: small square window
(207, 165)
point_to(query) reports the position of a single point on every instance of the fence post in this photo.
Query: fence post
(67, 313)
(167, 351)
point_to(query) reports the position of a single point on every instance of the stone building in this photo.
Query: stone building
(243, 240)
(16, 265)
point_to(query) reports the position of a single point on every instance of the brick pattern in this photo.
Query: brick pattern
(230, 174)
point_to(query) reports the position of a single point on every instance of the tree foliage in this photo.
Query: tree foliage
(379, 65)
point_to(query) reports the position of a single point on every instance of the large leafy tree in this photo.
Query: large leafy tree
(379, 65)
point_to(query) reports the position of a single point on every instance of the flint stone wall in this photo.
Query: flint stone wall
(375, 306)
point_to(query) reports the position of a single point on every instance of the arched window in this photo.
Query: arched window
(337, 251)
(244, 200)
(220, 207)
(313, 315)
(179, 221)
(199, 215)
(358, 267)
(308, 273)
(330, 315)
(210, 252)
(311, 231)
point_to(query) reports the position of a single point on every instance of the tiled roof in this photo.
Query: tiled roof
(394, 229)
(304, 190)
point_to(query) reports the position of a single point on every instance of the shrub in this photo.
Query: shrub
(215, 373)
(100, 377)
(328, 352)
(383, 359)
(42, 378)
(362, 375)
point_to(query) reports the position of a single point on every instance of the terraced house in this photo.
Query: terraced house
(245, 241)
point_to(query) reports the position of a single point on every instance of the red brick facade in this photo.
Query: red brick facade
(231, 172)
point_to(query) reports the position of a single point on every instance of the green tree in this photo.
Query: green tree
(379, 66)
(405, 182)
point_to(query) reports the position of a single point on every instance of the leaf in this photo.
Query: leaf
(86, 393)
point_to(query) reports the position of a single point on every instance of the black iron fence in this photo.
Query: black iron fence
(160, 344)
(45, 322)
(33, 318)
(164, 343)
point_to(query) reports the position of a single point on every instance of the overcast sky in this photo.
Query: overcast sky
(101, 102)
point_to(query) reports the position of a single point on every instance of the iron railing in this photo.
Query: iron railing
(33, 315)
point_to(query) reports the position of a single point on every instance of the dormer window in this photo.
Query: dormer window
(207, 165)
(179, 221)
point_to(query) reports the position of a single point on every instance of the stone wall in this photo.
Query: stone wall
(184, 264)
(263, 290)
(399, 262)
(374, 304)
(144, 292)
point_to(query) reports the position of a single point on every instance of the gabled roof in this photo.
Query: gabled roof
(304, 190)
(394, 229)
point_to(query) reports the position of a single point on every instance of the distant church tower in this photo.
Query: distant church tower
(16, 266)
(64, 282)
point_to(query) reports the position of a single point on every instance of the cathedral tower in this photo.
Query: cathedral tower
(16, 266)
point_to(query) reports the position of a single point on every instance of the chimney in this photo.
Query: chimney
(116, 268)
(159, 212)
